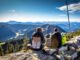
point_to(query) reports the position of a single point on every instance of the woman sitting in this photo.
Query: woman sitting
(38, 40)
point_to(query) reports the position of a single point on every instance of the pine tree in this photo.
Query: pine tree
(25, 42)
(7, 51)
(11, 48)
(16, 47)
(1, 51)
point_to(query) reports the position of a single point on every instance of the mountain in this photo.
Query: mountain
(47, 29)
(22, 28)
(64, 25)
(50, 28)
(9, 29)
(28, 23)
(13, 22)
(6, 32)
(73, 26)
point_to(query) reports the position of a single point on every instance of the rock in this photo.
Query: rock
(29, 55)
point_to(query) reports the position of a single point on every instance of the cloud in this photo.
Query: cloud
(37, 18)
(72, 7)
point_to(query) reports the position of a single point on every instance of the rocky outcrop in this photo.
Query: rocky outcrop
(69, 52)
(29, 55)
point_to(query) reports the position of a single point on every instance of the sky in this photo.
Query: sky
(39, 10)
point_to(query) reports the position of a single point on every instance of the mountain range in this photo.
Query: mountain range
(6, 32)
(9, 29)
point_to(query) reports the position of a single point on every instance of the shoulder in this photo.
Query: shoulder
(34, 33)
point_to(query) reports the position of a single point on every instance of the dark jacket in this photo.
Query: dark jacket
(39, 34)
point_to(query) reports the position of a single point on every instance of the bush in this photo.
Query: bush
(1, 51)
(25, 42)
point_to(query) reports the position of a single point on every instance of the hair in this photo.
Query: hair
(55, 29)
(39, 29)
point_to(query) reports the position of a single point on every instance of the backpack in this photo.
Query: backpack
(36, 42)
(54, 41)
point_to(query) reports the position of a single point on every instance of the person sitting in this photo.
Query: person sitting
(56, 39)
(38, 40)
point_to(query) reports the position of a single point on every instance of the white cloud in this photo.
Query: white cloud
(27, 17)
(72, 7)
(37, 18)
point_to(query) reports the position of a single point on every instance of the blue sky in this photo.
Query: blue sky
(38, 10)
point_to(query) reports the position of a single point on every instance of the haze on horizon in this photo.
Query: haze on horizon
(38, 10)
